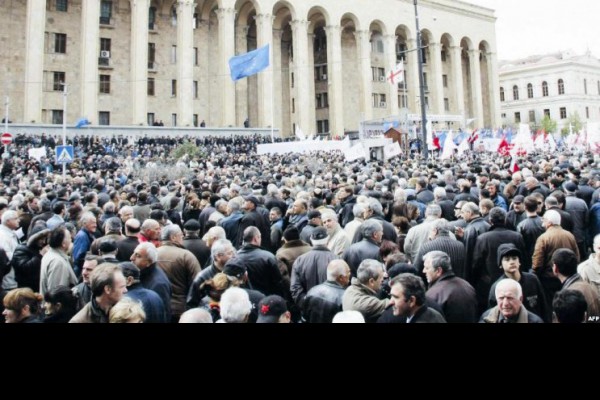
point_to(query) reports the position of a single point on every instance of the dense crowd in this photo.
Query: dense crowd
(135, 233)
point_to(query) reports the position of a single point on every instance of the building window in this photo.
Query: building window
(150, 119)
(561, 87)
(151, 87)
(151, 55)
(517, 118)
(151, 18)
(446, 104)
(105, 12)
(375, 98)
(173, 54)
(545, 89)
(105, 84)
(587, 112)
(321, 73)
(501, 94)
(563, 113)
(103, 118)
(382, 101)
(377, 43)
(173, 119)
(529, 91)
(403, 101)
(515, 92)
(424, 54)
(426, 87)
(322, 100)
(195, 56)
(445, 80)
(292, 80)
(400, 52)
(503, 115)
(195, 89)
(323, 126)
(444, 55)
(195, 120)
(62, 5)
(547, 112)
(60, 43)
(174, 17)
(531, 115)
(105, 44)
(195, 21)
(174, 88)
(293, 106)
(58, 79)
(585, 86)
(57, 117)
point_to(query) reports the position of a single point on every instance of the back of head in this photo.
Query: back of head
(497, 216)
(348, 317)
(196, 316)
(569, 306)
(369, 269)
(235, 305)
(566, 262)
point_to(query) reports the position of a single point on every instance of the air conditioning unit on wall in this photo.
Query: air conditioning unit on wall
(104, 54)
(383, 104)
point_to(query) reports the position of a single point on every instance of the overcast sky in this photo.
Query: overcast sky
(529, 27)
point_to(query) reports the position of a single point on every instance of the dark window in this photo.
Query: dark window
(105, 12)
(547, 112)
(57, 117)
(515, 92)
(59, 79)
(563, 112)
(174, 87)
(529, 91)
(62, 5)
(501, 94)
(103, 118)
(561, 87)
(517, 118)
(151, 90)
(545, 89)
(151, 55)
(151, 17)
(60, 43)
(105, 84)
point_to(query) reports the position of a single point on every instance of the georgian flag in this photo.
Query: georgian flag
(397, 74)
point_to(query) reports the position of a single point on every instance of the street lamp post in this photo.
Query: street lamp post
(421, 87)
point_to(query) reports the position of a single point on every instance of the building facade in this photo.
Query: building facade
(558, 85)
(134, 62)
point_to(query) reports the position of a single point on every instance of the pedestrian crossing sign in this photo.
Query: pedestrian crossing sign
(64, 154)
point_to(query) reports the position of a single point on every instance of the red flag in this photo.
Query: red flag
(514, 167)
(436, 142)
(504, 148)
(474, 136)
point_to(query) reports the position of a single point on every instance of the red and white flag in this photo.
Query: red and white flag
(396, 75)
(514, 167)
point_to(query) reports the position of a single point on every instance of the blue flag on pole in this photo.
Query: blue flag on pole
(82, 122)
(249, 63)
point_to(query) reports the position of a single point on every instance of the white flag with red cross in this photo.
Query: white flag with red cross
(396, 75)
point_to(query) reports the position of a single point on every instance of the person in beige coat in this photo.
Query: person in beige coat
(56, 269)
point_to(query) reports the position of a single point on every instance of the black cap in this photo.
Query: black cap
(235, 268)
(518, 199)
(313, 214)
(319, 233)
(270, 309)
(507, 249)
(253, 199)
(107, 246)
(192, 225)
(570, 187)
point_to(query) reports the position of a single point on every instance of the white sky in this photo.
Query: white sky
(530, 27)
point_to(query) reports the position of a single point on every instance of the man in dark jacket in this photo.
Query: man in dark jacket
(476, 226)
(323, 301)
(516, 214)
(439, 239)
(347, 202)
(455, 295)
(27, 258)
(254, 218)
(152, 277)
(126, 247)
(367, 248)
(408, 300)
(531, 229)
(484, 268)
(152, 303)
(193, 243)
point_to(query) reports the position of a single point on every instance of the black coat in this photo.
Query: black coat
(27, 263)
(263, 271)
(197, 246)
(322, 302)
(457, 298)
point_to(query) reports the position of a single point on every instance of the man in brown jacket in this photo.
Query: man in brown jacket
(553, 239)
(180, 266)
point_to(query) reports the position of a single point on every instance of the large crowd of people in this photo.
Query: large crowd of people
(226, 235)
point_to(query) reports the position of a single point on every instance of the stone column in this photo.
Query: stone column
(34, 61)
(90, 51)
(301, 76)
(335, 80)
(264, 33)
(364, 55)
(459, 92)
(494, 90)
(390, 51)
(436, 84)
(139, 61)
(476, 87)
(242, 86)
(226, 51)
(412, 63)
(185, 62)
(278, 102)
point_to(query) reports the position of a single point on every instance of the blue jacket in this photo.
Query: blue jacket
(81, 245)
(153, 305)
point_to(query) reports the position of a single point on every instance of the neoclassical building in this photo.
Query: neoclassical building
(558, 85)
(132, 62)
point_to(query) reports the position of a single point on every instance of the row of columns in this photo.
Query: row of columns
(302, 68)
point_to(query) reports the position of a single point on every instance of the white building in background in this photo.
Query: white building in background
(132, 62)
(558, 85)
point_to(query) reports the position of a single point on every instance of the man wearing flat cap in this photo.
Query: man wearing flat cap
(254, 218)
(193, 242)
(314, 220)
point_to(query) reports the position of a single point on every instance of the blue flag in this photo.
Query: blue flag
(249, 63)
(82, 122)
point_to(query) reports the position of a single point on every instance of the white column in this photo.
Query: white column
(185, 62)
(476, 87)
(494, 90)
(264, 33)
(312, 89)
(243, 87)
(90, 51)
(459, 92)
(364, 55)
(301, 76)
(34, 61)
(412, 61)
(390, 51)
(335, 80)
(139, 61)
(278, 103)
(226, 51)
(436, 98)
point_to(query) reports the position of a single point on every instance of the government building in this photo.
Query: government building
(135, 62)
(557, 85)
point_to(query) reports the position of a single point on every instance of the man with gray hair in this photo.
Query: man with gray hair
(442, 239)
(510, 308)
(221, 251)
(476, 226)
(455, 295)
(112, 231)
(235, 306)
(418, 235)
(83, 240)
(338, 240)
(180, 265)
(368, 247)
(447, 206)
(9, 242)
(196, 316)
(351, 227)
(152, 276)
(362, 295)
(324, 301)
(374, 211)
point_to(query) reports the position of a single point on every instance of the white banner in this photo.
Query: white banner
(355, 152)
(37, 153)
(391, 150)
